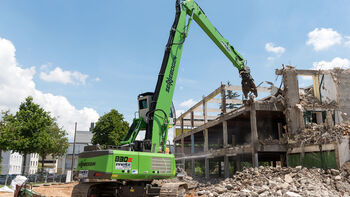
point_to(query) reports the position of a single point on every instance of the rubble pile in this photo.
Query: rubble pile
(191, 182)
(320, 134)
(291, 182)
(308, 100)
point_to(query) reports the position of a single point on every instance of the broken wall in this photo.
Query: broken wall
(336, 87)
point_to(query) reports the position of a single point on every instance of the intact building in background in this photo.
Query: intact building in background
(12, 163)
(83, 138)
(32, 163)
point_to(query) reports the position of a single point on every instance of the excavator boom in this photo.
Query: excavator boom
(157, 128)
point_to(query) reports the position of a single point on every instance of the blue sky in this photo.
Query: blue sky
(116, 47)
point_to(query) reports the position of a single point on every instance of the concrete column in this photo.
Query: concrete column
(206, 145)
(182, 138)
(182, 146)
(226, 166)
(279, 127)
(205, 110)
(282, 159)
(238, 163)
(319, 118)
(294, 115)
(192, 119)
(224, 133)
(192, 143)
(329, 119)
(223, 99)
(193, 167)
(233, 140)
(206, 160)
(254, 135)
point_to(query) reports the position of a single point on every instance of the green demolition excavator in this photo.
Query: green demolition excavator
(128, 170)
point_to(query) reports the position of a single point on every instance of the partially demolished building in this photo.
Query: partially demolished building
(290, 127)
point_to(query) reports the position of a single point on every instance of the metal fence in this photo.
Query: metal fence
(35, 178)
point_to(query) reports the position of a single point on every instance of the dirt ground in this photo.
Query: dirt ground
(63, 190)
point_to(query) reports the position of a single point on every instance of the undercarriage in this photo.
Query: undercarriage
(129, 189)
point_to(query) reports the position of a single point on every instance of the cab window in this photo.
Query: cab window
(143, 104)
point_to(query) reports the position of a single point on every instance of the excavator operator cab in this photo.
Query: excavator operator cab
(144, 100)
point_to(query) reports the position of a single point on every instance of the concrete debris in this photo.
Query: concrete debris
(270, 181)
(320, 134)
(192, 182)
(308, 100)
(271, 140)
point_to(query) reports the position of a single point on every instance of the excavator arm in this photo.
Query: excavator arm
(157, 127)
(194, 11)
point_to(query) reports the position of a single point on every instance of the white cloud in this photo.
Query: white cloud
(335, 63)
(323, 38)
(97, 79)
(347, 42)
(16, 83)
(63, 76)
(278, 50)
(188, 103)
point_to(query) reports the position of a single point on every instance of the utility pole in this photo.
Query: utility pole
(73, 155)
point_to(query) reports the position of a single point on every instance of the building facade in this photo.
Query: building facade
(11, 163)
(32, 163)
(83, 138)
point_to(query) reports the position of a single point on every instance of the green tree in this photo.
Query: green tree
(32, 120)
(8, 127)
(110, 129)
(32, 130)
(22, 129)
(51, 141)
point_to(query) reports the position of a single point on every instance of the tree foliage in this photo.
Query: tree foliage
(52, 142)
(110, 129)
(32, 130)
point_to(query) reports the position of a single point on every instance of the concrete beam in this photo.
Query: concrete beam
(210, 96)
(227, 116)
(208, 110)
(272, 148)
(239, 88)
(230, 115)
(312, 148)
(268, 106)
(229, 101)
(299, 72)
